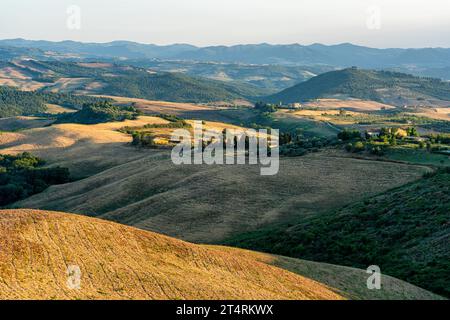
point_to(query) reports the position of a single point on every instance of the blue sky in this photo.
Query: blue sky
(375, 23)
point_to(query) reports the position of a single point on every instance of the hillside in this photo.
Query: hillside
(405, 231)
(143, 188)
(15, 102)
(269, 77)
(120, 80)
(176, 87)
(382, 86)
(19, 123)
(84, 149)
(119, 262)
(98, 113)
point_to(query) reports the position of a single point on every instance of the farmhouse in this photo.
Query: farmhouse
(373, 133)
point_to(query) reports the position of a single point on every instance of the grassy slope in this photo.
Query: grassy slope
(210, 203)
(119, 262)
(143, 188)
(380, 86)
(405, 231)
(175, 87)
(133, 82)
(20, 123)
(15, 102)
(84, 149)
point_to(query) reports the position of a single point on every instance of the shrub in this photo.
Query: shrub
(99, 113)
(22, 175)
(358, 147)
(346, 135)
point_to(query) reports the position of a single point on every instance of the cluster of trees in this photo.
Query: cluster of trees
(23, 175)
(375, 144)
(174, 123)
(265, 107)
(143, 139)
(443, 138)
(15, 102)
(295, 144)
(99, 112)
(348, 134)
(70, 100)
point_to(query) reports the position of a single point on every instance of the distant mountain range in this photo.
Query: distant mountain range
(295, 54)
(178, 72)
(383, 86)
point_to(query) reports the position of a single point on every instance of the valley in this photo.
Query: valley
(363, 174)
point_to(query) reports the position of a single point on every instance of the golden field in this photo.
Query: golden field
(143, 188)
(120, 262)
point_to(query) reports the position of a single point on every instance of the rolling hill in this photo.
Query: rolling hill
(143, 188)
(44, 252)
(121, 80)
(405, 231)
(98, 113)
(176, 87)
(15, 102)
(382, 86)
(270, 77)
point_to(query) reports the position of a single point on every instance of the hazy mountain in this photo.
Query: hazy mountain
(337, 55)
(124, 49)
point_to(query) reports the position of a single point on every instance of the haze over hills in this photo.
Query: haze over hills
(345, 54)
(119, 80)
(353, 157)
(124, 49)
(242, 71)
(120, 262)
(271, 77)
(382, 86)
(96, 78)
